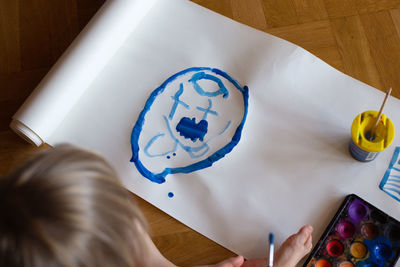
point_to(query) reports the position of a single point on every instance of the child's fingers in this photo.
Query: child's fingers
(308, 243)
(234, 262)
(304, 233)
(231, 262)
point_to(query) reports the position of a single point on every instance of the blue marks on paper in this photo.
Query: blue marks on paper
(150, 143)
(226, 127)
(170, 195)
(177, 102)
(189, 129)
(391, 180)
(208, 110)
(192, 120)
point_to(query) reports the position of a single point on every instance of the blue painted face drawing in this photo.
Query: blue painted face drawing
(192, 120)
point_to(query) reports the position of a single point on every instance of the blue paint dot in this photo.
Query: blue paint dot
(168, 157)
(174, 154)
(170, 194)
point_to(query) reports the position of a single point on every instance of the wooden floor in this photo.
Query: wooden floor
(358, 37)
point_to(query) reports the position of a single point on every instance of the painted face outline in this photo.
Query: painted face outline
(205, 163)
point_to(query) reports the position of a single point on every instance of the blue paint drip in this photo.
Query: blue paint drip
(208, 110)
(170, 195)
(160, 177)
(177, 102)
(189, 129)
(200, 76)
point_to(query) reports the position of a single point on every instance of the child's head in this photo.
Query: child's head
(66, 207)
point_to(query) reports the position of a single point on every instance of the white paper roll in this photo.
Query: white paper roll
(76, 69)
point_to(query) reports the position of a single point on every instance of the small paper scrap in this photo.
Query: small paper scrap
(391, 180)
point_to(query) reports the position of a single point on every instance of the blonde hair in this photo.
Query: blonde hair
(66, 207)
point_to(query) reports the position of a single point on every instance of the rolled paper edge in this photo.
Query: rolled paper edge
(25, 132)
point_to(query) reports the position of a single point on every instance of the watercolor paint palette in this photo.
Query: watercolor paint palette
(359, 235)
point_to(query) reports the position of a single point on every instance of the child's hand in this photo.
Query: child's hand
(291, 251)
(288, 255)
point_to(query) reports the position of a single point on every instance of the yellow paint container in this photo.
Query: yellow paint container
(361, 148)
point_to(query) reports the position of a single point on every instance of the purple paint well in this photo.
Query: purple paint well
(345, 229)
(357, 211)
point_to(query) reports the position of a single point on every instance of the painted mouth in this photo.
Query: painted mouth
(189, 129)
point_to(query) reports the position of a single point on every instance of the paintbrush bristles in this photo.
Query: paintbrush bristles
(378, 118)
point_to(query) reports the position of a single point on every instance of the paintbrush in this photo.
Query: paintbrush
(271, 249)
(378, 118)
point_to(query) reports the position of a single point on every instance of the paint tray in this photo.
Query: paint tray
(391, 180)
(358, 235)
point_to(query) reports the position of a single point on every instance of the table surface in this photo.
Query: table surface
(358, 37)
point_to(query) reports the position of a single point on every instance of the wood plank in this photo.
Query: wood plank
(9, 36)
(354, 49)
(309, 35)
(316, 37)
(372, 6)
(15, 88)
(395, 13)
(202, 250)
(280, 13)
(222, 7)
(86, 10)
(340, 8)
(330, 55)
(249, 12)
(310, 10)
(384, 43)
(47, 28)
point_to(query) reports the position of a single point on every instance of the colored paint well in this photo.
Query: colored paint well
(378, 216)
(346, 264)
(368, 265)
(370, 231)
(383, 252)
(323, 263)
(357, 211)
(345, 229)
(335, 248)
(393, 232)
(170, 195)
(358, 250)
